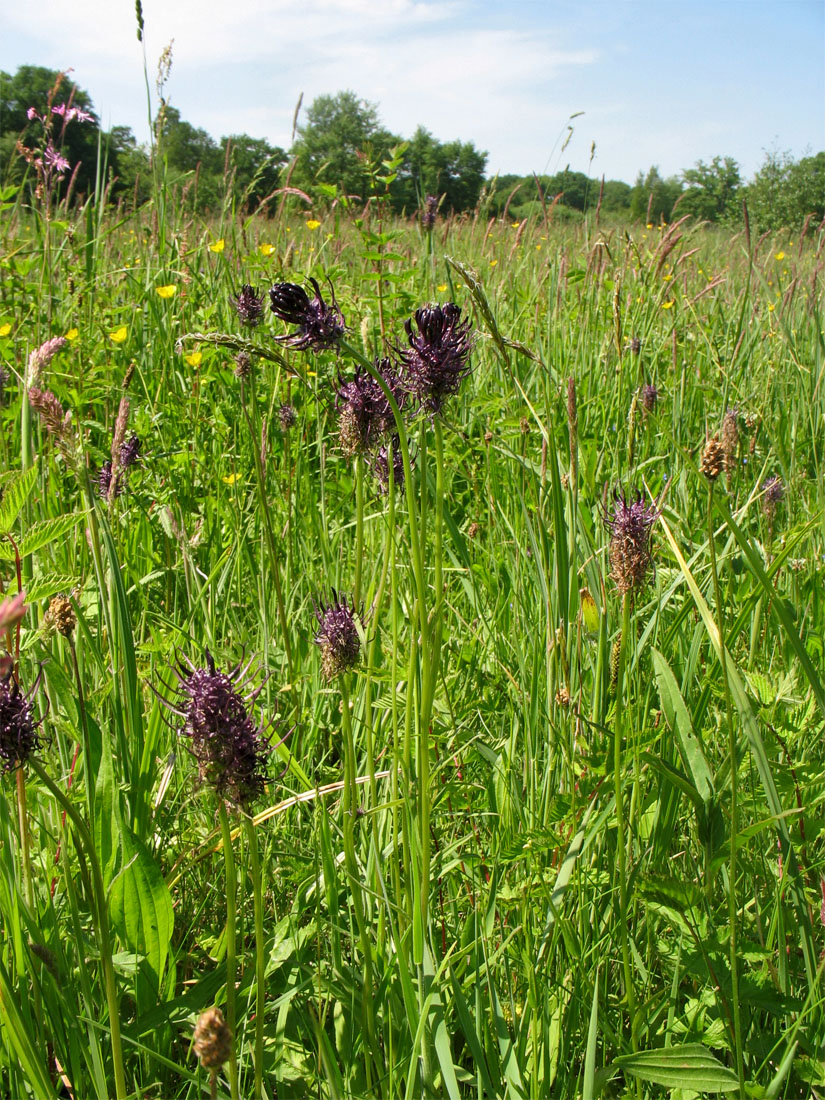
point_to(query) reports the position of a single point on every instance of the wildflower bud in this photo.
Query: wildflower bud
(250, 307)
(61, 616)
(488, 437)
(429, 211)
(287, 417)
(773, 492)
(337, 635)
(713, 459)
(320, 326)
(380, 466)
(629, 525)
(212, 1040)
(636, 345)
(243, 365)
(129, 451)
(562, 697)
(473, 530)
(730, 439)
(12, 611)
(650, 397)
(18, 730)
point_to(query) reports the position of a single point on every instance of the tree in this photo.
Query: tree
(453, 169)
(256, 167)
(33, 86)
(653, 196)
(713, 190)
(784, 191)
(342, 136)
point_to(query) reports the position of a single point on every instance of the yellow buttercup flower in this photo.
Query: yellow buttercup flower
(72, 334)
(194, 358)
(650, 225)
(780, 256)
(231, 479)
(266, 249)
(217, 246)
(5, 329)
(771, 307)
(167, 291)
(441, 288)
(118, 335)
(667, 305)
(312, 224)
(493, 263)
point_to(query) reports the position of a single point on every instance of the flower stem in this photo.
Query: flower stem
(229, 869)
(618, 723)
(734, 824)
(260, 989)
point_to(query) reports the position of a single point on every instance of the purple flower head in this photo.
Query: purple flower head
(54, 160)
(287, 417)
(320, 326)
(337, 635)
(380, 466)
(636, 345)
(364, 413)
(232, 754)
(18, 730)
(249, 306)
(429, 211)
(104, 482)
(773, 493)
(649, 396)
(129, 451)
(629, 525)
(437, 358)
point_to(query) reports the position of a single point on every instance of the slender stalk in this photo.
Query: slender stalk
(274, 559)
(260, 989)
(359, 527)
(734, 823)
(231, 1016)
(23, 818)
(101, 919)
(618, 732)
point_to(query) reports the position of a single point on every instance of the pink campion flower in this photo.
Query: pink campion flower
(71, 114)
(32, 114)
(12, 611)
(55, 160)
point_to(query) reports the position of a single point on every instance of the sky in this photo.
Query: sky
(650, 81)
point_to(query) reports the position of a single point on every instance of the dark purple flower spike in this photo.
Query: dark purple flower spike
(320, 326)
(337, 635)
(629, 524)
(438, 356)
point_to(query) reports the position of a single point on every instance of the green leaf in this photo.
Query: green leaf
(41, 534)
(20, 1040)
(141, 905)
(15, 494)
(678, 720)
(43, 588)
(689, 1066)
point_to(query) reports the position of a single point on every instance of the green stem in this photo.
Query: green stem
(274, 560)
(231, 1017)
(618, 723)
(100, 916)
(260, 989)
(359, 527)
(734, 825)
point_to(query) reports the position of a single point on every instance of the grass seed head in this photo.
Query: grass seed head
(61, 617)
(713, 459)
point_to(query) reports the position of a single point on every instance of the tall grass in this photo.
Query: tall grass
(486, 865)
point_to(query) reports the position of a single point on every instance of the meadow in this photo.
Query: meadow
(442, 704)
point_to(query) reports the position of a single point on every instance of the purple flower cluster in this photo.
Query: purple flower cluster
(250, 307)
(437, 360)
(232, 754)
(364, 411)
(629, 525)
(337, 635)
(18, 730)
(320, 326)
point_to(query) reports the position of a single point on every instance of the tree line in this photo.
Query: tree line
(342, 153)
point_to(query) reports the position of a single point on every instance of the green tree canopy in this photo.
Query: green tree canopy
(713, 191)
(653, 196)
(785, 191)
(454, 169)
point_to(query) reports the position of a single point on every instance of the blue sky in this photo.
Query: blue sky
(659, 82)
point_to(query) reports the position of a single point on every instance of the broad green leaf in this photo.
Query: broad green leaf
(141, 905)
(15, 494)
(40, 534)
(689, 1066)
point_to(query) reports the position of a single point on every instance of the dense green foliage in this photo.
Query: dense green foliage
(541, 841)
